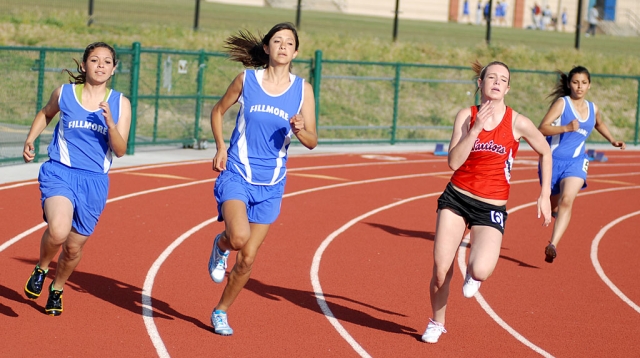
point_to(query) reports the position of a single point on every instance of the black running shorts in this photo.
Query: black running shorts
(473, 211)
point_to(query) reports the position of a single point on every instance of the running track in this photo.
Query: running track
(344, 272)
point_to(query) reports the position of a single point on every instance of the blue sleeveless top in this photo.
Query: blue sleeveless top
(261, 138)
(572, 144)
(80, 139)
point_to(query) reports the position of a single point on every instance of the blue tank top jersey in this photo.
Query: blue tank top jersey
(261, 138)
(572, 144)
(80, 139)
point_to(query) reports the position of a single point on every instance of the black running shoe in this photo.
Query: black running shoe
(54, 303)
(33, 287)
(550, 253)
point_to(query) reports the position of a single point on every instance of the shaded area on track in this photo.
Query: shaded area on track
(307, 299)
(115, 292)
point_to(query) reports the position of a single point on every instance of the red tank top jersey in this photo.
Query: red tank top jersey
(487, 170)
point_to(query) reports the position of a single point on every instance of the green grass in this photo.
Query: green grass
(168, 24)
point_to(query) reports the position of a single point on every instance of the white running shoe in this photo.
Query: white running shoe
(433, 332)
(218, 262)
(470, 286)
(220, 323)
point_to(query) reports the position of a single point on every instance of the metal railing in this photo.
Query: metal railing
(172, 91)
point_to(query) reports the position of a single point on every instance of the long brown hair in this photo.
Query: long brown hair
(248, 49)
(82, 76)
(562, 87)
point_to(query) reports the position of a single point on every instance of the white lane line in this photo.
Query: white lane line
(20, 236)
(315, 268)
(596, 263)
(123, 170)
(147, 310)
(147, 306)
(147, 300)
(487, 308)
(153, 271)
(483, 303)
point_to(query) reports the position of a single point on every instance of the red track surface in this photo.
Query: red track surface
(374, 274)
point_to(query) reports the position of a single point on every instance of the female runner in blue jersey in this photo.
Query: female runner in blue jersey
(94, 123)
(274, 105)
(567, 125)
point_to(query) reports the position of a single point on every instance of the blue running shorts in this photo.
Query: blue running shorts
(262, 201)
(565, 168)
(86, 190)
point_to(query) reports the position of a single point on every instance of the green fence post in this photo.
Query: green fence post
(635, 137)
(317, 74)
(396, 96)
(157, 101)
(41, 65)
(201, 66)
(135, 78)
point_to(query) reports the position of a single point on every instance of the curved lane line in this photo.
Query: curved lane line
(151, 274)
(596, 263)
(147, 306)
(315, 268)
(20, 236)
(487, 308)
(152, 329)
(146, 297)
(114, 171)
(483, 303)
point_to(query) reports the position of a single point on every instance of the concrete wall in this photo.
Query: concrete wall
(518, 11)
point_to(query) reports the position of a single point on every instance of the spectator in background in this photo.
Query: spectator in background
(535, 16)
(502, 20)
(485, 12)
(592, 18)
(498, 13)
(479, 13)
(564, 19)
(546, 18)
(465, 12)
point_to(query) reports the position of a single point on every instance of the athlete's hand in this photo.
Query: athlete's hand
(297, 123)
(573, 126)
(484, 114)
(29, 152)
(619, 144)
(544, 209)
(106, 112)
(220, 161)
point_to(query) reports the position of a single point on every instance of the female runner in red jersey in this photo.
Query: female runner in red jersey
(483, 146)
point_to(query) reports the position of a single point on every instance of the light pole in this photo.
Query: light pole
(298, 11)
(395, 21)
(197, 16)
(578, 24)
(489, 22)
(90, 21)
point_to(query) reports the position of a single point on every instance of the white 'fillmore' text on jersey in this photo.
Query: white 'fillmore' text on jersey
(261, 138)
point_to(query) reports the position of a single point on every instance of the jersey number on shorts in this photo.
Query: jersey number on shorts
(585, 165)
(497, 218)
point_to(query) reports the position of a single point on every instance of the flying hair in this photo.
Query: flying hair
(562, 87)
(248, 49)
